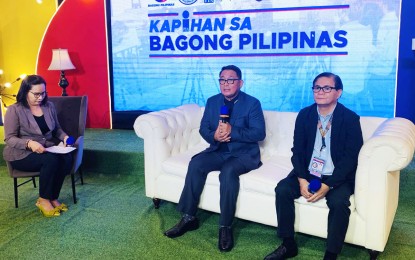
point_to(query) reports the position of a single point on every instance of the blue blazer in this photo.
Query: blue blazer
(346, 141)
(248, 128)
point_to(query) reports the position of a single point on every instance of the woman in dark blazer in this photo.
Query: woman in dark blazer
(30, 126)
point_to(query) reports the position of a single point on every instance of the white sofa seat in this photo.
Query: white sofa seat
(171, 138)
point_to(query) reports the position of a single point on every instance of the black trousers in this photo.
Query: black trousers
(201, 164)
(338, 202)
(52, 167)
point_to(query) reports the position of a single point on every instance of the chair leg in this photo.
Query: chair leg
(16, 203)
(81, 175)
(73, 187)
(34, 182)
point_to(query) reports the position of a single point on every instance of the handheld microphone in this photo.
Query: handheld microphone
(224, 114)
(70, 141)
(314, 185)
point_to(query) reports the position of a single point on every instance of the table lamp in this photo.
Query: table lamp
(61, 61)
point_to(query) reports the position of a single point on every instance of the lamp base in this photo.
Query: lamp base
(64, 94)
(63, 83)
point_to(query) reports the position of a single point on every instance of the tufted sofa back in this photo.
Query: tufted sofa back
(180, 130)
(279, 134)
(280, 130)
(185, 120)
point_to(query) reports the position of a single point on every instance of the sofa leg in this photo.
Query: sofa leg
(373, 254)
(156, 203)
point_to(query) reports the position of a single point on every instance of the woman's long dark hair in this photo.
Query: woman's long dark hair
(26, 86)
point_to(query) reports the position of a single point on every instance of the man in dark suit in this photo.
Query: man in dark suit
(233, 151)
(327, 141)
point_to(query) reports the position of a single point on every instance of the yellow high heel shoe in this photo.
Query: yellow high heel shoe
(62, 208)
(47, 213)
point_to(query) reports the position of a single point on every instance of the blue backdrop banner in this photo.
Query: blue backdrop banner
(166, 53)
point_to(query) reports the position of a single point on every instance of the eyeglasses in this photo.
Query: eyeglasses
(39, 94)
(229, 81)
(326, 89)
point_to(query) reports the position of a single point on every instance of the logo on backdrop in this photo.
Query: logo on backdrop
(162, 4)
(188, 2)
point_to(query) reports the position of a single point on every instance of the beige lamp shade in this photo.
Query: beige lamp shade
(61, 60)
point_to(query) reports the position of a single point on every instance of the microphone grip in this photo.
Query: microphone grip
(224, 114)
(314, 185)
(70, 141)
(224, 118)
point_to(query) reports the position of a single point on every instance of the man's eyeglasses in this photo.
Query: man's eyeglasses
(39, 94)
(326, 89)
(229, 81)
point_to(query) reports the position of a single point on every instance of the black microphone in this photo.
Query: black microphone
(314, 185)
(224, 114)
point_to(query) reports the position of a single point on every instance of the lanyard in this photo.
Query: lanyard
(323, 132)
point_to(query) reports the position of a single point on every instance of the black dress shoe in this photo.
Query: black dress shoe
(225, 243)
(182, 227)
(282, 253)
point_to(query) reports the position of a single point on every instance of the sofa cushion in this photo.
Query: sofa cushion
(322, 203)
(262, 180)
(177, 164)
(265, 178)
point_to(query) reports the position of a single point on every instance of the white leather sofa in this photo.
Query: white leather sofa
(171, 138)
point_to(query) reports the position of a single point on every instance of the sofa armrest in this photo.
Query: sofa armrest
(390, 149)
(166, 133)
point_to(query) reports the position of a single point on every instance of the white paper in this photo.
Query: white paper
(60, 149)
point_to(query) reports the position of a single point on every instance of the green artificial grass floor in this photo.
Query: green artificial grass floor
(114, 220)
(113, 140)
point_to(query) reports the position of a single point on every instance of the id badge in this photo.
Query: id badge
(316, 167)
